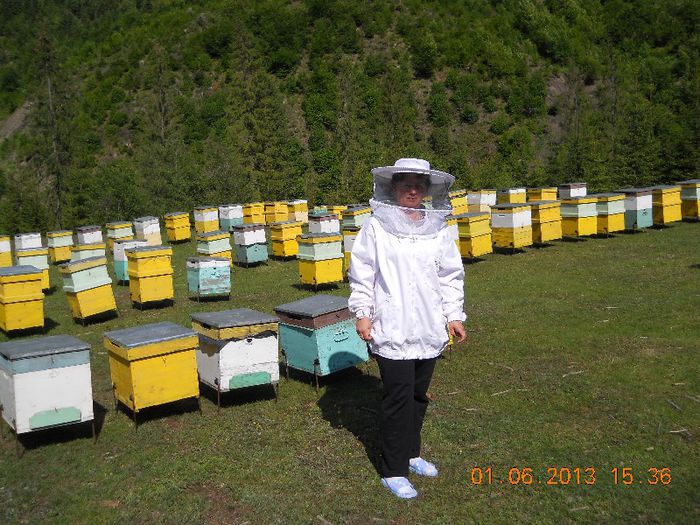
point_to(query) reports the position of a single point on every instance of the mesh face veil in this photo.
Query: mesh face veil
(426, 220)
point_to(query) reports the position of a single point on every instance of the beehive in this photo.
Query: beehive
(88, 234)
(150, 273)
(298, 210)
(230, 215)
(542, 194)
(59, 243)
(666, 204)
(610, 208)
(511, 225)
(249, 244)
(121, 265)
(458, 201)
(474, 231)
(579, 217)
(324, 223)
(481, 200)
(275, 211)
(284, 238)
(6, 251)
(79, 252)
(254, 213)
(356, 215)
(206, 219)
(638, 208)
(320, 258)
(148, 229)
(321, 208)
(690, 198)
(21, 298)
(571, 190)
(37, 257)
(349, 236)
(511, 196)
(215, 244)
(318, 336)
(337, 209)
(118, 231)
(25, 241)
(88, 287)
(546, 220)
(45, 382)
(177, 226)
(209, 276)
(237, 349)
(152, 365)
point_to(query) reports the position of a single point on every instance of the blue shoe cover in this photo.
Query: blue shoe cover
(400, 487)
(422, 467)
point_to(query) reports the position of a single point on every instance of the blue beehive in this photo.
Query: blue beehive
(209, 276)
(318, 335)
(250, 254)
(638, 208)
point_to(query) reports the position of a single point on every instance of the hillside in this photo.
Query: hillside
(134, 107)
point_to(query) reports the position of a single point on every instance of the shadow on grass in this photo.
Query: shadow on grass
(695, 266)
(49, 325)
(472, 260)
(153, 305)
(97, 318)
(50, 291)
(540, 245)
(603, 236)
(238, 396)
(210, 298)
(164, 411)
(317, 288)
(352, 400)
(574, 239)
(507, 251)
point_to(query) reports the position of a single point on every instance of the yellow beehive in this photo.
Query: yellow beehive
(473, 224)
(38, 257)
(511, 225)
(579, 216)
(610, 223)
(545, 211)
(690, 209)
(320, 272)
(546, 220)
(458, 200)
(21, 298)
(5, 251)
(511, 196)
(206, 219)
(177, 226)
(275, 211)
(152, 364)
(150, 273)
(543, 232)
(254, 213)
(690, 198)
(298, 210)
(512, 237)
(118, 231)
(337, 210)
(542, 194)
(579, 226)
(59, 243)
(475, 246)
(666, 204)
(285, 231)
(88, 287)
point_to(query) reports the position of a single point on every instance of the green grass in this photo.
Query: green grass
(573, 353)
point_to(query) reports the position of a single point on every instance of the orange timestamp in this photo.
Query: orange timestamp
(558, 476)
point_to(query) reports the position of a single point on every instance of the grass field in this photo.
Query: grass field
(580, 354)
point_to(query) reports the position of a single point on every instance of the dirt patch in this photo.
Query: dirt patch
(221, 510)
(14, 122)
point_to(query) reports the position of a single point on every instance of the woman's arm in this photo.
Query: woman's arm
(361, 276)
(451, 278)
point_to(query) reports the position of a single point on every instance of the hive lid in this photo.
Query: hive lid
(248, 227)
(323, 216)
(206, 259)
(214, 235)
(510, 206)
(22, 269)
(176, 213)
(543, 203)
(664, 187)
(117, 224)
(282, 224)
(51, 345)
(89, 262)
(149, 248)
(148, 334)
(605, 195)
(314, 306)
(58, 233)
(518, 189)
(572, 185)
(233, 318)
(202, 208)
(689, 181)
(147, 218)
(472, 215)
(319, 235)
(92, 227)
(633, 190)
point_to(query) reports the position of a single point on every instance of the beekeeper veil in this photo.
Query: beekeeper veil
(429, 218)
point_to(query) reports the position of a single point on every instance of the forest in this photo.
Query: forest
(112, 109)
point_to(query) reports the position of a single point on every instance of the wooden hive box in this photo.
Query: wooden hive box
(152, 365)
(150, 274)
(45, 382)
(638, 208)
(37, 257)
(356, 215)
(511, 225)
(59, 243)
(230, 215)
(250, 244)
(474, 230)
(690, 199)
(275, 212)
(666, 204)
(349, 236)
(320, 258)
(25, 241)
(542, 194)
(118, 231)
(254, 213)
(610, 208)
(148, 229)
(206, 219)
(121, 265)
(237, 349)
(321, 208)
(21, 298)
(477, 246)
(298, 210)
(209, 276)
(324, 223)
(318, 335)
(572, 189)
(79, 252)
(458, 201)
(337, 209)
(284, 238)
(5, 251)
(546, 220)
(177, 226)
(579, 216)
(88, 287)
(215, 244)
(88, 234)
(511, 196)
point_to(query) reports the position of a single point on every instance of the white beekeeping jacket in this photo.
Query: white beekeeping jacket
(407, 276)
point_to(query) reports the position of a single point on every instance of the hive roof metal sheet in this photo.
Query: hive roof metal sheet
(87, 228)
(318, 235)
(82, 262)
(543, 203)
(510, 206)
(148, 334)
(205, 259)
(147, 218)
(176, 213)
(51, 345)
(233, 318)
(471, 214)
(634, 190)
(149, 248)
(22, 269)
(605, 194)
(314, 306)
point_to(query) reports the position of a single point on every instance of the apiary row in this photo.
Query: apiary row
(46, 382)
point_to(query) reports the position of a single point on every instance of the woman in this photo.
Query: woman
(407, 284)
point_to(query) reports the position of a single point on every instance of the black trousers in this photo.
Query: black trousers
(404, 403)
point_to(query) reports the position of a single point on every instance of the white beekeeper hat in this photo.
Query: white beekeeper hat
(416, 166)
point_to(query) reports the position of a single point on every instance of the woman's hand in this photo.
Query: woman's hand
(456, 328)
(364, 328)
